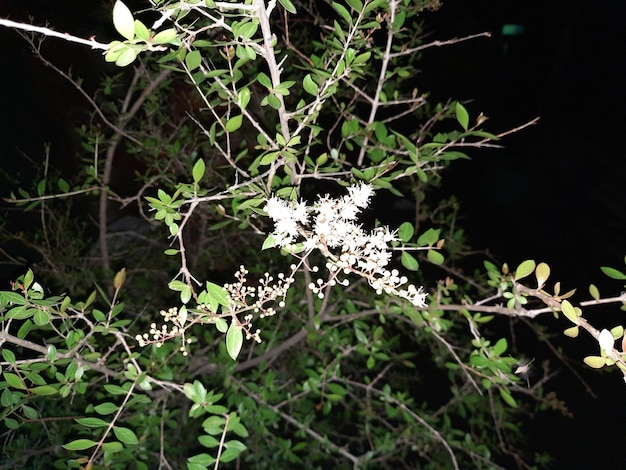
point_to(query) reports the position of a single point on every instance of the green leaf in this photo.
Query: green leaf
(287, 5)
(309, 85)
(461, 115)
(568, 310)
(356, 5)
(125, 435)
(435, 257)
(594, 292)
(80, 444)
(127, 57)
(218, 293)
(406, 231)
(164, 37)
(92, 422)
(343, 11)
(409, 261)
(500, 347)
(572, 332)
(193, 60)
(429, 237)
(234, 123)
(8, 356)
(106, 408)
(141, 31)
(542, 273)
(270, 242)
(14, 380)
(613, 273)
(524, 269)
(243, 98)
(234, 339)
(43, 390)
(507, 397)
(112, 447)
(596, 362)
(123, 20)
(198, 170)
(41, 317)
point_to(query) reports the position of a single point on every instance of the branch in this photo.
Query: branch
(50, 32)
(439, 44)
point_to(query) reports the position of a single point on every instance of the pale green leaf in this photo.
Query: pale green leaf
(198, 170)
(80, 444)
(461, 115)
(234, 339)
(596, 362)
(524, 269)
(123, 20)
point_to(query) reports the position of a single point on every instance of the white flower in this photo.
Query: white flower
(277, 209)
(361, 194)
(606, 341)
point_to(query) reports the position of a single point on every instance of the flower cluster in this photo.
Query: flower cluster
(330, 226)
(158, 336)
(254, 300)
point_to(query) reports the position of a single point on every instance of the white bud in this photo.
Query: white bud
(606, 341)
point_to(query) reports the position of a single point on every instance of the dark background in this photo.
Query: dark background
(555, 192)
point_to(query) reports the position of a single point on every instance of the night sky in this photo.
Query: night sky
(555, 192)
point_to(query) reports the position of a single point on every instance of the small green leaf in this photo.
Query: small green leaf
(243, 98)
(14, 380)
(234, 123)
(409, 261)
(43, 390)
(568, 310)
(429, 237)
(141, 31)
(218, 293)
(542, 273)
(193, 60)
(80, 444)
(41, 318)
(112, 447)
(106, 408)
(507, 397)
(270, 242)
(92, 422)
(572, 332)
(343, 11)
(613, 273)
(123, 20)
(234, 339)
(198, 170)
(461, 115)
(287, 5)
(500, 347)
(309, 85)
(406, 231)
(594, 292)
(524, 269)
(596, 362)
(125, 435)
(127, 57)
(435, 257)
(8, 356)
(164, 37)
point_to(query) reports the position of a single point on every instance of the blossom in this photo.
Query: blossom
(606, 341)
(329, 225)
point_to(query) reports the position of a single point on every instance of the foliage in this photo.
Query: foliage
(299, 115)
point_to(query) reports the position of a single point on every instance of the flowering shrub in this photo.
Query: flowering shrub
(337, 362)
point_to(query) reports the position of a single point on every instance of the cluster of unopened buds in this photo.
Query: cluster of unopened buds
(173, 326)
(329, 225)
